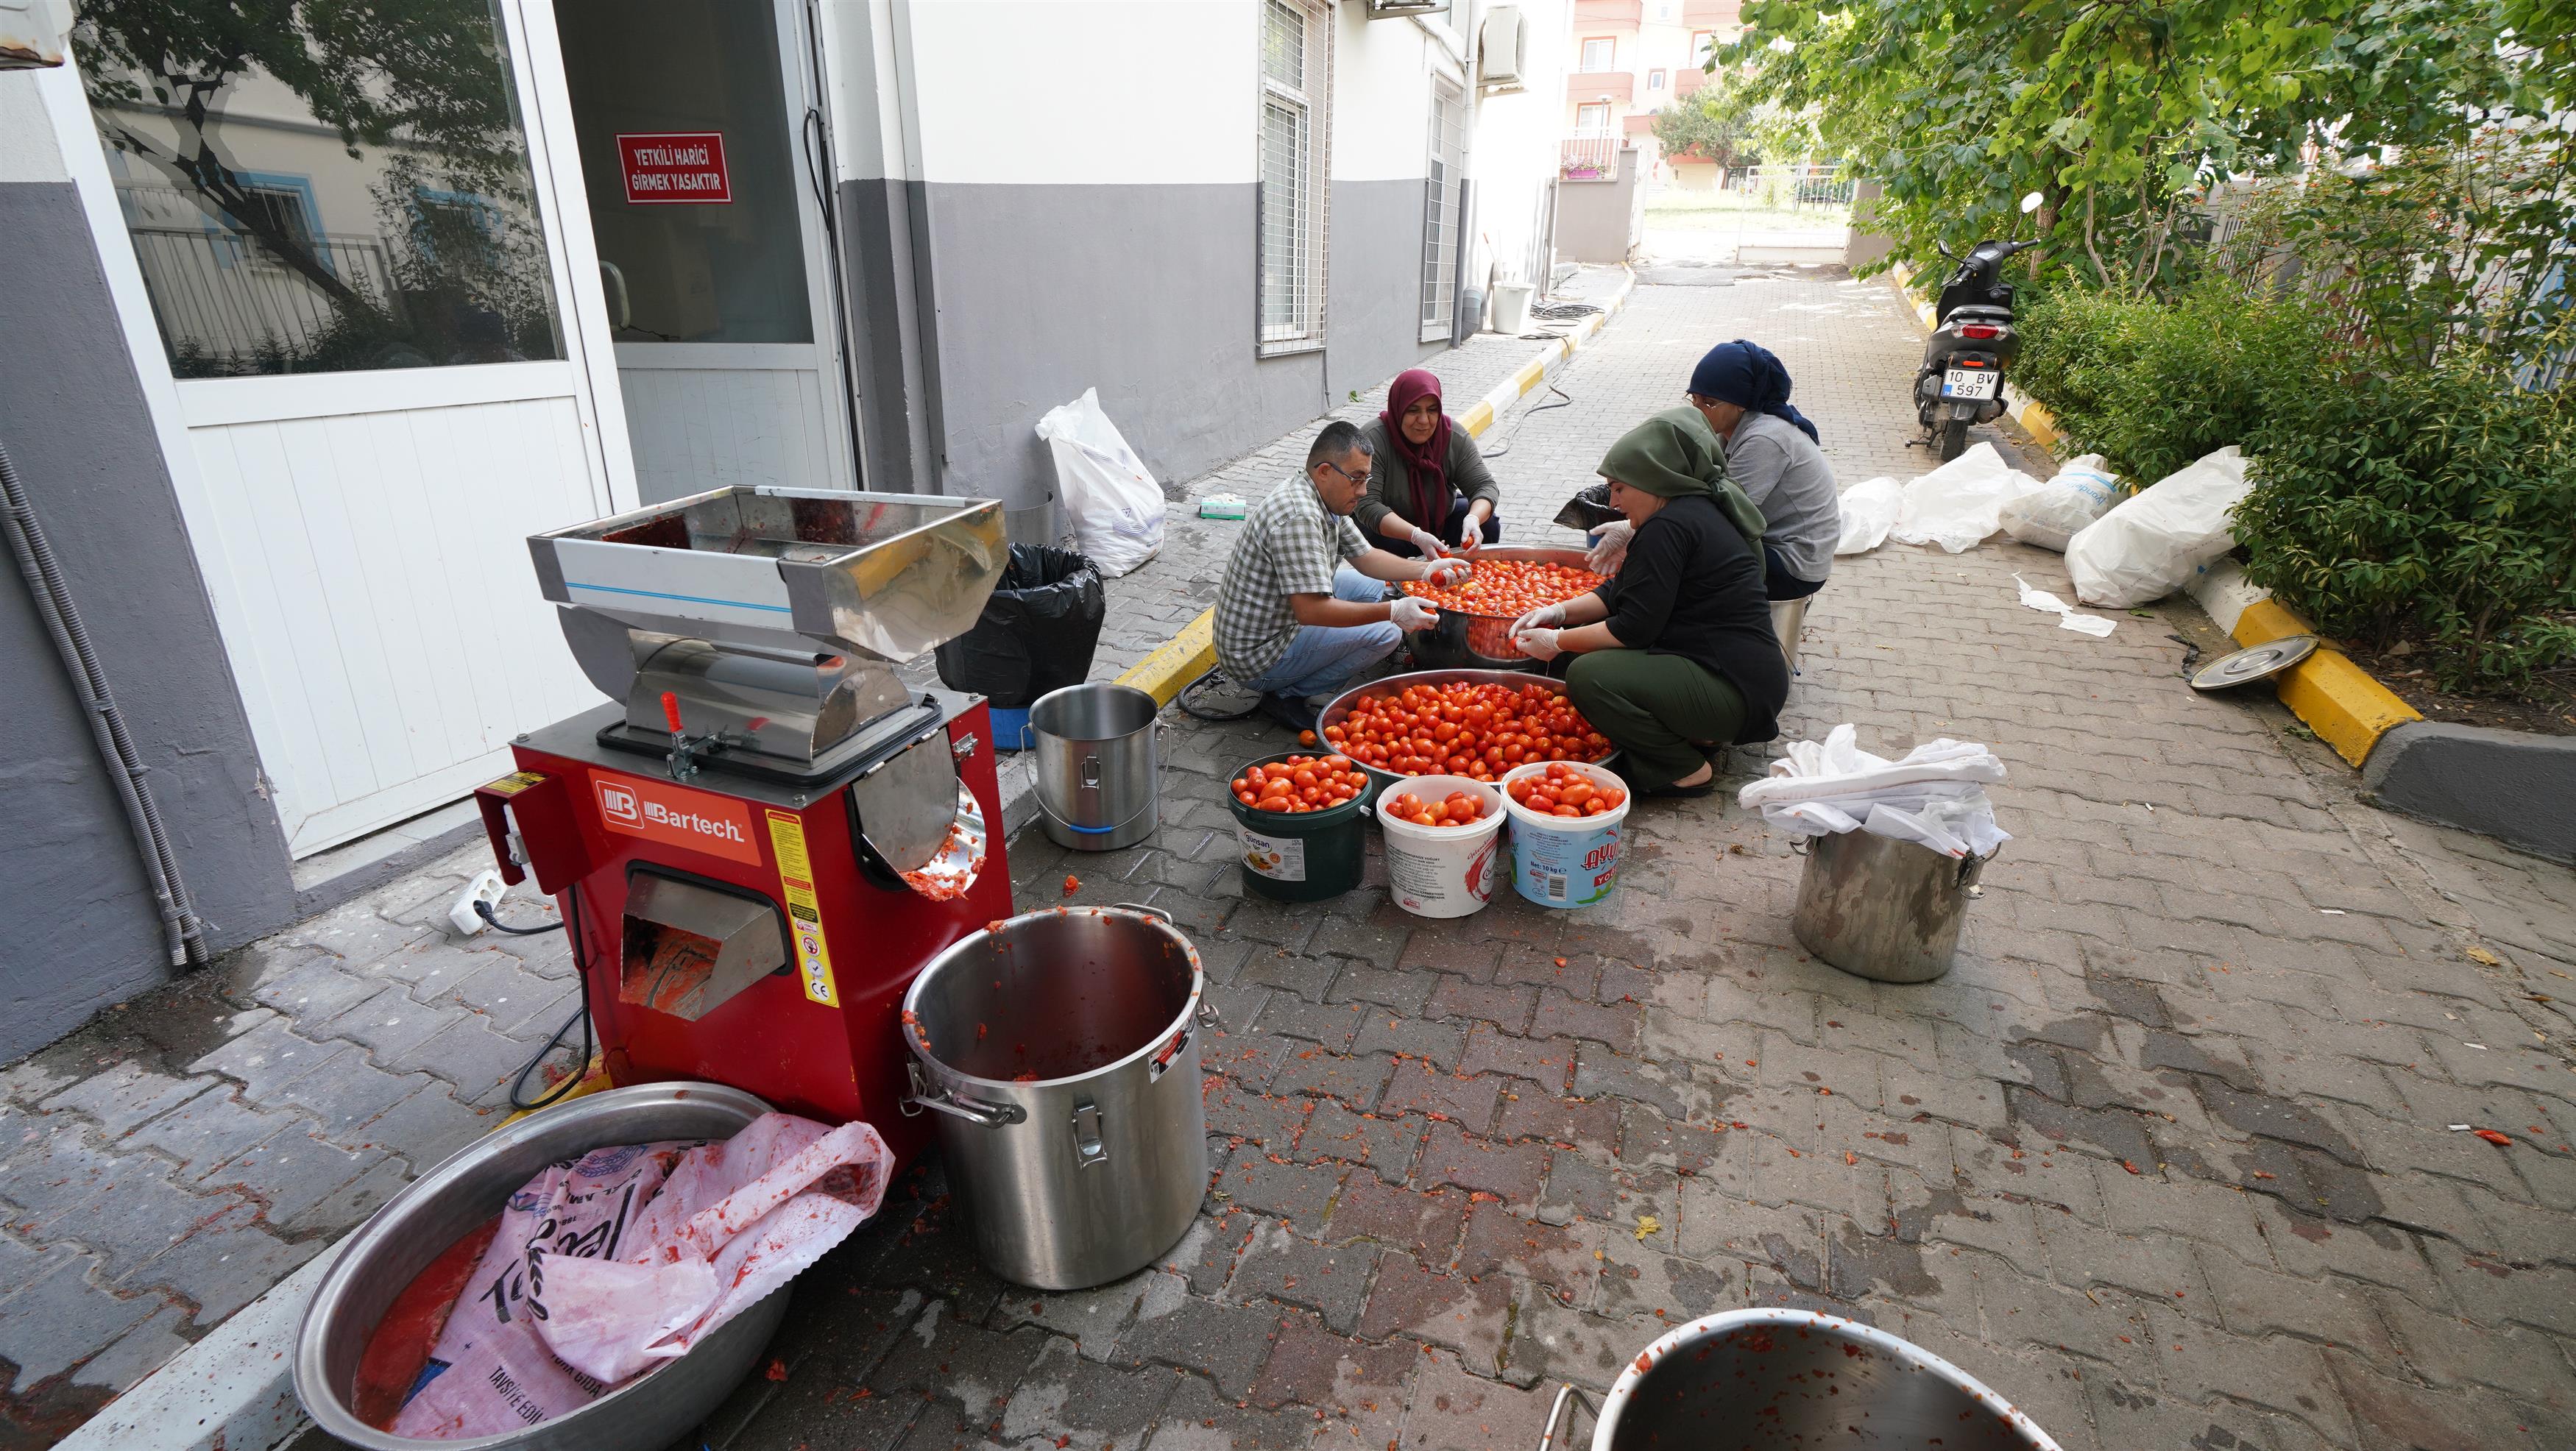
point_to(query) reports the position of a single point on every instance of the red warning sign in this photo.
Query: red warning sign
(674, 166)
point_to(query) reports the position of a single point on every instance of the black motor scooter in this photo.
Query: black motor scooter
(1962, 377)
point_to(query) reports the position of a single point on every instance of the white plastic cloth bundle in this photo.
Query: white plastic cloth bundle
(1934, 797)
(1869, 510)
(606, 1265)
(1958, 504)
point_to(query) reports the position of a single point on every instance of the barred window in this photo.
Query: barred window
(1444, 193)
(1295, 82)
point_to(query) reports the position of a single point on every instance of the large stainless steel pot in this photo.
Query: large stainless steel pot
(1795, 1378)
(1884, 909)
(1097, 753)
(1465, 640)
(1060, 1049)
(414, 1227)
(1380, 778)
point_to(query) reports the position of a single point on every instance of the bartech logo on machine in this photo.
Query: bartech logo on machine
(676, 816)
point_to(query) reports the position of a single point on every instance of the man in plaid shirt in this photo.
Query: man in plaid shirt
(1302, 609)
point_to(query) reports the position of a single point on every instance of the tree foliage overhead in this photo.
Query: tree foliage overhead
(2123, 115)
(1728, 123)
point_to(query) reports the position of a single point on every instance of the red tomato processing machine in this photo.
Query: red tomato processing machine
(768, 834)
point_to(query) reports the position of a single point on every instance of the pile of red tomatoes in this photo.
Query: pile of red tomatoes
(1459, 808)
(1563, 791)
(1474, 730)
(1300, 783)
(1509, 588)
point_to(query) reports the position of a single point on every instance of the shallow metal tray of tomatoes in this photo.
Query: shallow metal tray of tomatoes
(1379, 777)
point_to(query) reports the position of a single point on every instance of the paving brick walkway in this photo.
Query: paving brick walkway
(2163, 1158)
(1439, 1147)
(168, 1164)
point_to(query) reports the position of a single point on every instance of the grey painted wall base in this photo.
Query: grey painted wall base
(2515, 786)
(82, 932)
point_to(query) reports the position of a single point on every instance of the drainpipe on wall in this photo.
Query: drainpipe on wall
(181, 929)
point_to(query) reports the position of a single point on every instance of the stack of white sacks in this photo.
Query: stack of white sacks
(1935, 797)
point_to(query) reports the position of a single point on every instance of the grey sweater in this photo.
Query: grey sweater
(1390, 485)
(1786, 476)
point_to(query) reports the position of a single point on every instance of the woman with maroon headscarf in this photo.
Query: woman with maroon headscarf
(1429, 492)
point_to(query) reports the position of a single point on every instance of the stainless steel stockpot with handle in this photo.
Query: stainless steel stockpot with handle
(1781, 1377)
(1060, 1049)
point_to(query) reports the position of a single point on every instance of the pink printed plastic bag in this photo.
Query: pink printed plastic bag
(734, 1221)
(489, 1373)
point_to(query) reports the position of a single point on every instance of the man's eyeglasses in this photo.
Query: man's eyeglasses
(1360, 479)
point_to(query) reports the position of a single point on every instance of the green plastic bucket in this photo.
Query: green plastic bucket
(1302, 856)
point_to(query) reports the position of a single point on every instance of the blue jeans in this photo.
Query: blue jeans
(1324, 659)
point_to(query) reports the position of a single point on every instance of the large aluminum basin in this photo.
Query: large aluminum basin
(414, 1227)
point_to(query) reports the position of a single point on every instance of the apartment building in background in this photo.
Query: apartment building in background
(1630, 59)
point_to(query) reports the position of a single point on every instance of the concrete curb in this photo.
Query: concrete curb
(2339, 700)
(1192, 653)
(2515, 786)
(232, 1391)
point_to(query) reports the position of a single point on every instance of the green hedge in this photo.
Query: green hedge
(2440, 500)
(2151, 386)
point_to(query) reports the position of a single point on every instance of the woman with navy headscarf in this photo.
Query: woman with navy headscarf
(1771, 453)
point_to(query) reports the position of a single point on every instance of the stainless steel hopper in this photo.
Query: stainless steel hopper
(770, 618)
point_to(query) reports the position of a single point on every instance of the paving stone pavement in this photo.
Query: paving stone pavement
(166, 1165)
(2163, 1159)
(176, 1158)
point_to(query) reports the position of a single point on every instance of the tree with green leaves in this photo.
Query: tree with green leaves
(2121, 116)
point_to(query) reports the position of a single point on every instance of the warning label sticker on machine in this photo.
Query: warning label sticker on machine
(804, 913)
(513, 784)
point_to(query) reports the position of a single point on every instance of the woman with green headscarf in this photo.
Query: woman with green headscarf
(1675, 656)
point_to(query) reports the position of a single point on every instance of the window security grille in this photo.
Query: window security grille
(1442, 190)
(1296, 80)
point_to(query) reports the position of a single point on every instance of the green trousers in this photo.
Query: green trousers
(1652, 707)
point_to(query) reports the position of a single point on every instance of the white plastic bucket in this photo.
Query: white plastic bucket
(1512, 307)
(1566, 861)
(1441, 871)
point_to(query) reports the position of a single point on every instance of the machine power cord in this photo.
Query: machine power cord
(581, 974)
(483, 910)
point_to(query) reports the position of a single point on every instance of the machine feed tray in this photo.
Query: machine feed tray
(883, 576)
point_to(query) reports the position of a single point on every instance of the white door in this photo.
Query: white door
(703, 152)
(358, 310)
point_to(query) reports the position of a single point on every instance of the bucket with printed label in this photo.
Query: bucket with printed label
(1300, 856)
(1560, 860)
(1441, 871)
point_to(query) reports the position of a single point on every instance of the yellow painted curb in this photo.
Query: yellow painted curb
(1177, 661)
(2339, 700)
(2039, 423)
(1477, 418)
(1527, 378)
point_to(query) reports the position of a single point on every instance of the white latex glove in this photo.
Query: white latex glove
(1544, 615)
(1538, 643)
(1428, 543)
(1612, 551)
(1471, 534)
(1412, 614)
(1446, 571)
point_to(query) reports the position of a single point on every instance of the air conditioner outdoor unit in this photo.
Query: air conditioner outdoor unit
(1506, 45)
(1387, 9)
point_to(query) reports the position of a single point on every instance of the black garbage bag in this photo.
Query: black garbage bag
(1037, 633)
(1588, 510)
